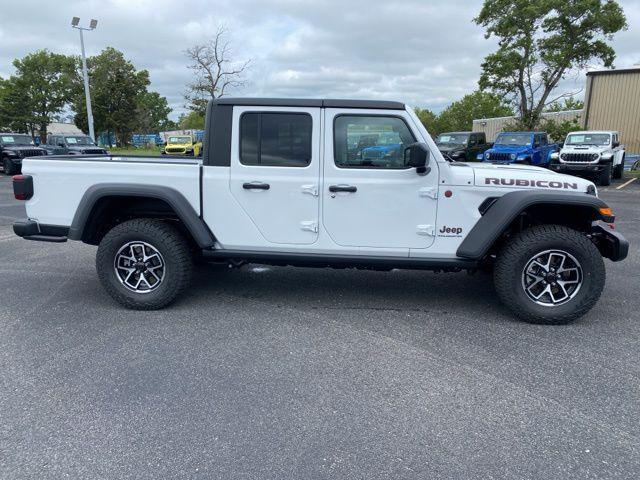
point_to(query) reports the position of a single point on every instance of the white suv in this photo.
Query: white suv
(595, 152)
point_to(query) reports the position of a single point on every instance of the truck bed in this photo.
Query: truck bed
(63, 179)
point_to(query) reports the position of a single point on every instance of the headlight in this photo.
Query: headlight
(591, 190)
(513, 156)
(487, 155)
(563, 156)
(607, 156)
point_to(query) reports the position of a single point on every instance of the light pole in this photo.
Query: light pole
(92, 25)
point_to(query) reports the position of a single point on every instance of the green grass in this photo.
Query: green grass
(134, 151)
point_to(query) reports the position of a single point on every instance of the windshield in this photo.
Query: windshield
(16, 140)
(179, 140)
(588, 139)
(79, 140)
(452, 139)
(517, 139)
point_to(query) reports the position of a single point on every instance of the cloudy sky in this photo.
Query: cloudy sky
(424, 52)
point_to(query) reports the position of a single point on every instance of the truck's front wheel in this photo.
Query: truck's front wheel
(606, 175)
(549, 274)
(144, 264)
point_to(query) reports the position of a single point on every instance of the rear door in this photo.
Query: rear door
(275, 171)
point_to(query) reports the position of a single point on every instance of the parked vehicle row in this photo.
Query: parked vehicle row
(15, 147)
(586, 153)
(325, 183)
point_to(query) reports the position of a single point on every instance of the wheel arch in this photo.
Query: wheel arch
(108, 204)
(509, 212)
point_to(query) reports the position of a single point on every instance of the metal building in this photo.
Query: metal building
(612, 102)
(492, 126)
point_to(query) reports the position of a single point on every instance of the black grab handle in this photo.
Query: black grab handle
(256, 186)
(343, 188)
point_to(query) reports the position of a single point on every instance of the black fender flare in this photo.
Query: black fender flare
(505, 210)
(180, 205)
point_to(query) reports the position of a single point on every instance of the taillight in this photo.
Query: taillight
(22, 187)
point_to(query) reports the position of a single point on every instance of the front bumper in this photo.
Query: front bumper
(32, 230)
(612, 244)
(577, 167)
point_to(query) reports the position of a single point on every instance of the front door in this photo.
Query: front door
(370, 199)
(275, 171)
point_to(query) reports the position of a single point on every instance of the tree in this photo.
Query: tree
(429, 120)
(459, 115)
(565, 104)
(153, 113)
(37, 92)
(542, 41)
(117, 90)
(191, 121)
(215, 72)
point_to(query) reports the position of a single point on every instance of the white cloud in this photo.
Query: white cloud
(427, 53)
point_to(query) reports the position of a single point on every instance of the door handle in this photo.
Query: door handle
(256, 186)
(343, 188)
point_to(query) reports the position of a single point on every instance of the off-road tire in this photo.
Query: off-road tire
(618, 172)
(513, 258)
(167, 240)
(606, 175)
(7, 167)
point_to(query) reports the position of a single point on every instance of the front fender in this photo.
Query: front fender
(505, 209)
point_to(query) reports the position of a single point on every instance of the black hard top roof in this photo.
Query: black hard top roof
(311, 102)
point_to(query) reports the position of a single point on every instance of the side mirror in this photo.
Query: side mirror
(616, 144)
(60, 144)
(560, 144)
(416, 156)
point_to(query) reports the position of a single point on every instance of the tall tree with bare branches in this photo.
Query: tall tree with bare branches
(215, 71)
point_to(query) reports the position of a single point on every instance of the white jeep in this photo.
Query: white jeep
(591, 152)
(325, 183)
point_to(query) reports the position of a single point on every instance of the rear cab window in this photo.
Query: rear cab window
(276, 139)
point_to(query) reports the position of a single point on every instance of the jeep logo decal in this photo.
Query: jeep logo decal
(530, 183)
(449, 231)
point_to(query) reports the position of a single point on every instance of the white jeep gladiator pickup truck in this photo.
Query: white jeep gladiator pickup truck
(597, 153)
(325, 183)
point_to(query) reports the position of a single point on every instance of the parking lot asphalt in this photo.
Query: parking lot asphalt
(311, 373)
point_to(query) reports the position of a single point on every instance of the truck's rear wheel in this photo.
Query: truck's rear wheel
(549, 274)
(144, 264)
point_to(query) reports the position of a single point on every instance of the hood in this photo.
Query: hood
(585, 149)
(19, 148)
(510, 148)
(448, 149)
(525, 177)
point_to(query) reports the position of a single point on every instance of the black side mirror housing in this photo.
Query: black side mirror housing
(616, 144)
(416, 156)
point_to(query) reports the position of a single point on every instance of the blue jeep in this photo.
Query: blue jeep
(528, 148)
(385, 147)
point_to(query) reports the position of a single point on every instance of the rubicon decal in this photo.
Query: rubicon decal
(450, 231)
(518, 182)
